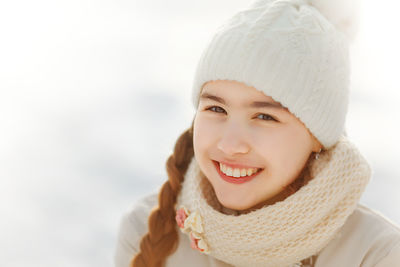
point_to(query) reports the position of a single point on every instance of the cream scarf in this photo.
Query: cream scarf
(288, 231)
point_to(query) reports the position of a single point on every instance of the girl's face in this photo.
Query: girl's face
(245, 131)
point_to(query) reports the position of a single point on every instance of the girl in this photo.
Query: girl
(266, 176)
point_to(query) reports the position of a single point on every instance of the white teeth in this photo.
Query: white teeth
(236, 172)
(229, 171)
(222, 167)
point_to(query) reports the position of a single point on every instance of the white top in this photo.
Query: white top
(366, 239)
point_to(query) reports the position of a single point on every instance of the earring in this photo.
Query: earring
(317, 154)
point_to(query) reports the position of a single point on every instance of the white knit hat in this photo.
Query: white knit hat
(289, 50)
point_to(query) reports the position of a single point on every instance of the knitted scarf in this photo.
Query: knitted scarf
(286, 232)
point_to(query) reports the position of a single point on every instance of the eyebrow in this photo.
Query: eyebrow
(255, 104)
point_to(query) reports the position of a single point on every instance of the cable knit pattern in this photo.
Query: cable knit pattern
(288, 50)
(288, 231)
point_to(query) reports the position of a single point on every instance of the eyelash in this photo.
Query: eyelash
(213, 110)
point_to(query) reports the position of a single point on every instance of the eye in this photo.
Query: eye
(265, 117)
(216, 109)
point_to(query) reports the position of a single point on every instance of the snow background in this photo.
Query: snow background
(93, 95)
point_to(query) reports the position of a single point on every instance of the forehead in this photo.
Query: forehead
(235, 90)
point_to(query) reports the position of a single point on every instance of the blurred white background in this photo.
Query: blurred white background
(93, 95)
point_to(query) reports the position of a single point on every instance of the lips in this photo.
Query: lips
(234, 180)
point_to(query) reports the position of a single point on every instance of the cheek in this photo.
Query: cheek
(202, 134)
(286, 150)
(296, 150)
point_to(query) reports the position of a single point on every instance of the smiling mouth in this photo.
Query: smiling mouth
(236, 175)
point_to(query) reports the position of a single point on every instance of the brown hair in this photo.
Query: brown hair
(162, 237)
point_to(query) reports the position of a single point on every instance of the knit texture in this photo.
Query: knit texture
(289, 51)
(288, 231)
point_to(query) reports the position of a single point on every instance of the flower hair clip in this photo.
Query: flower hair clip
(191, 223)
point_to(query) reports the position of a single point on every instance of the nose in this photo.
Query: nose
(233, 141)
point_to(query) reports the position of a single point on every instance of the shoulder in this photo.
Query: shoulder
(381, 234)
(133, 226)
(367, 238)
(375, 221)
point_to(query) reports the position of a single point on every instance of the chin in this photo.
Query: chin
(234, 203)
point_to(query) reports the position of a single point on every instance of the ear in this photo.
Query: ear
(316, 145)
